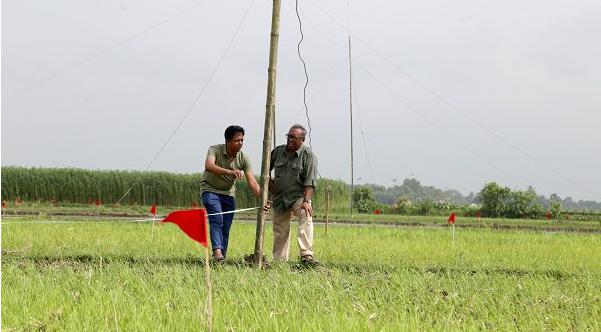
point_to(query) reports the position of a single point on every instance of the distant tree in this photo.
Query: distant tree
(363, 200)
(403, 205)
(555, 210)
(494, 199)
(523, 204)
(425, 207)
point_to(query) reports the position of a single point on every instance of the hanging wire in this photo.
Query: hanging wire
(191, 108)
(455, 108)
(300, 27)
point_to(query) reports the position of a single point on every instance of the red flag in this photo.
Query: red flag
(192, 222)
(478, 215)
(153, 210)
(3, 204)
(452, 218)
(378, 212)
(98, 202)
(548, 215)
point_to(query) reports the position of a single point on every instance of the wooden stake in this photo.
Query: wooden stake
(453, 227)
(267, 132)
(327, 207)
(209, 310)
(154, 219)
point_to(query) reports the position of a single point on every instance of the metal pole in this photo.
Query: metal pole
(267, 134)
(327, 208)
(350, 71)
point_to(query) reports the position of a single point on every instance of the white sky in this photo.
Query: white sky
(102, 85)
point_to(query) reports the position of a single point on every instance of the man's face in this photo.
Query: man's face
(235, 144)
(294, 139)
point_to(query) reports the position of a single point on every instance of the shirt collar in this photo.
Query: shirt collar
(298, 152)
(225, 151)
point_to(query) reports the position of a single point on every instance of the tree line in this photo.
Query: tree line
(82, 186)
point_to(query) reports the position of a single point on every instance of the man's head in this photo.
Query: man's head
(234, 138)
(295, 137)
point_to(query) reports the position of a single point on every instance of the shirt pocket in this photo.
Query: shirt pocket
(280, 168)
(297, 172)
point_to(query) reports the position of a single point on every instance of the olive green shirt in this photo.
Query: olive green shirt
(293, 173)
(223, 184)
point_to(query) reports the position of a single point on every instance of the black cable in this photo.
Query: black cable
(300, 26)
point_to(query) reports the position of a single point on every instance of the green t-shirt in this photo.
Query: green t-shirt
(223, 184)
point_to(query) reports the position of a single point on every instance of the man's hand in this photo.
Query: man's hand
(267, 206)
(307, 207)
(238, 174)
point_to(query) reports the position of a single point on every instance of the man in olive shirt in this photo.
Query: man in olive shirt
(225, 163)
(295, 168)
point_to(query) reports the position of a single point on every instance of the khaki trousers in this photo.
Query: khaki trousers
(281, 232)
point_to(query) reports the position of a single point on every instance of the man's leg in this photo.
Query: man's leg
(227, 204)
(304, 233)
(212, 204)
(281, 235)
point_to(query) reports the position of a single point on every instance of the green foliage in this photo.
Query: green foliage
(403, 205)
(414, 191)
(498, 201)
(363, 200)
(555, 210)
(494, 199)
(80, 186)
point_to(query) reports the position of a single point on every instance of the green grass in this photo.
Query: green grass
(114, 276)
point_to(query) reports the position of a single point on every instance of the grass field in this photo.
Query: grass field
(115, 276)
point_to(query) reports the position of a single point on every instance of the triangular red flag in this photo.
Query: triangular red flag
(153, 210)
(452, 218)
(192, 222)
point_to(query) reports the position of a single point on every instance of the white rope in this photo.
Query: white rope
(49, 222)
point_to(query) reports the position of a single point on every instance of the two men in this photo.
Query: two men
(295, 171)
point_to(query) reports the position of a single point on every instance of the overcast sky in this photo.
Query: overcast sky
(453, 93)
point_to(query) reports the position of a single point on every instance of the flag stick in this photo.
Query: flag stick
(154, 219)
(209, 311)
(327, 208)
(453, 227)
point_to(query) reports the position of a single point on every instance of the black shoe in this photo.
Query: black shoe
(309, 260)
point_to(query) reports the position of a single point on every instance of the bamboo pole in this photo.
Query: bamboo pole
(327, 208)
(350, 73)
(267, 133)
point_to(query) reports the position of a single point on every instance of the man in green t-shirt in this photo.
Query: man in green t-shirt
(225, 163)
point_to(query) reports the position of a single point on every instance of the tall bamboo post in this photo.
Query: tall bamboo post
(267, 133)
(327, 208)
(350, 74)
